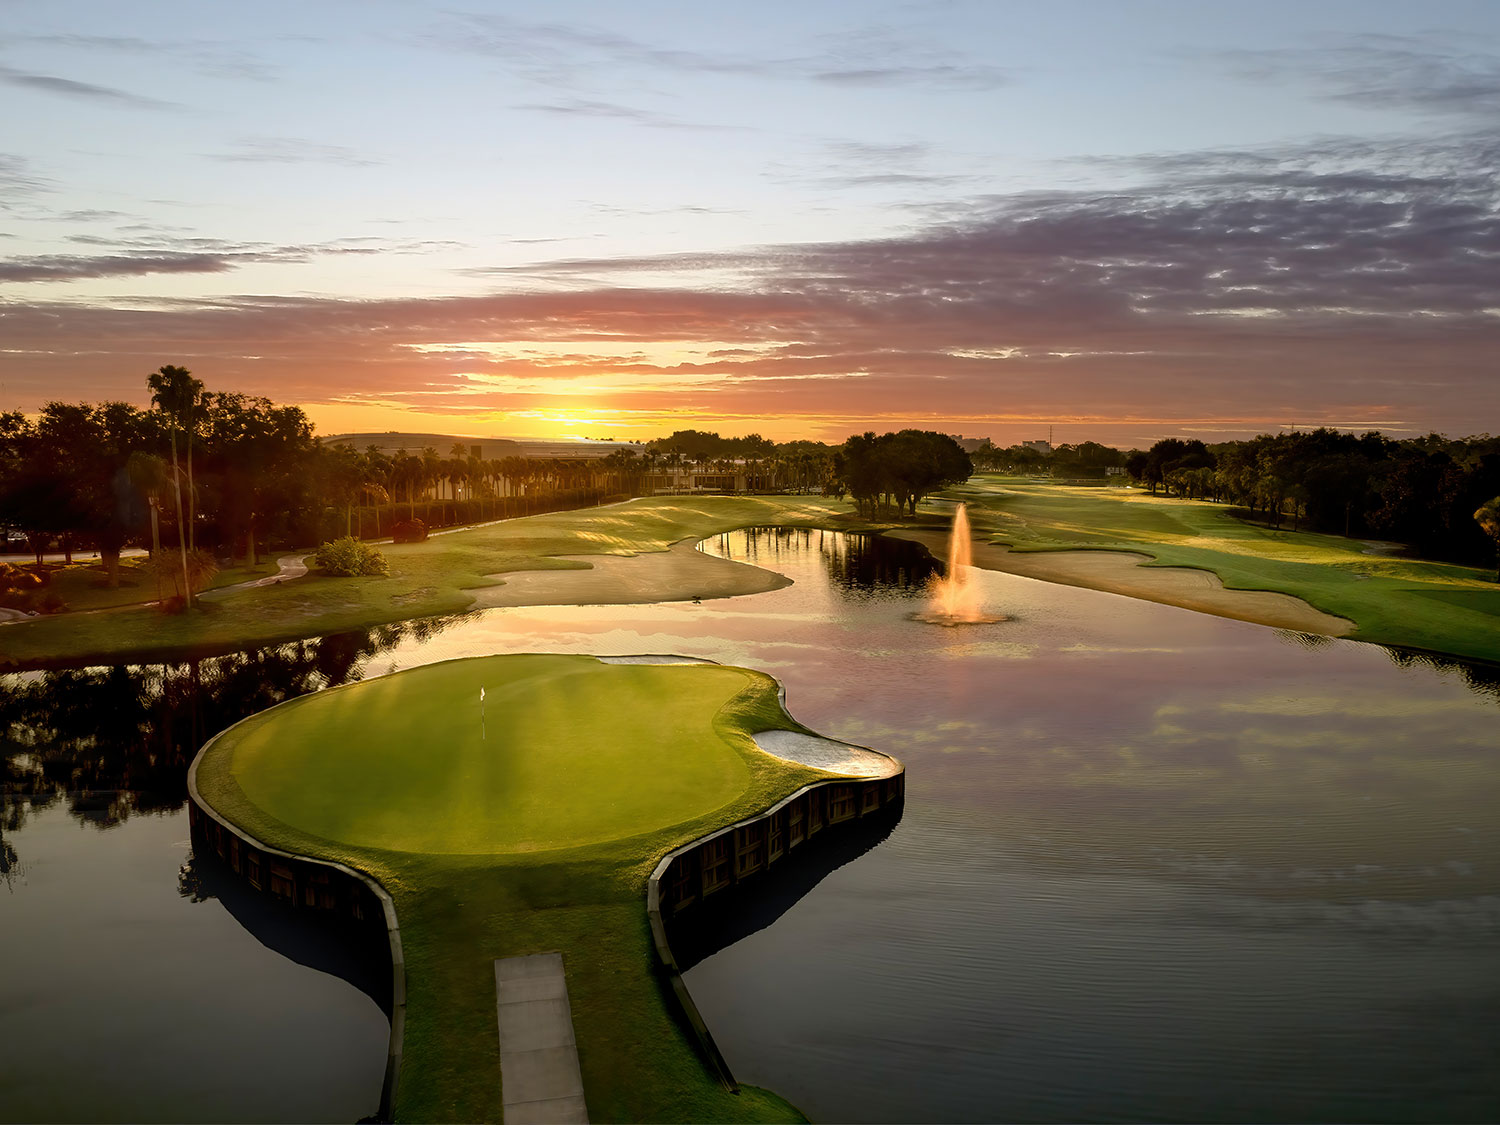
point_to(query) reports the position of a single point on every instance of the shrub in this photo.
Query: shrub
(347, 557)
(165, 567)
(409, 531)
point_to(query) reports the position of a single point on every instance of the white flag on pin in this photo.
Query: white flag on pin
(481, 695)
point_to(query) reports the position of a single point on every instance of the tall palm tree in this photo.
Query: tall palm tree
(175, 393)
(149, 474)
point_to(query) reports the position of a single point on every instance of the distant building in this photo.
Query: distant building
(970, 444)
(491, 449)
(1038, 446)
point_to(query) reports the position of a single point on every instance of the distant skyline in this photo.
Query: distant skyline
(1124, 220)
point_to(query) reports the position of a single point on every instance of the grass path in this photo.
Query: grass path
(539, 837)
(1408, 603)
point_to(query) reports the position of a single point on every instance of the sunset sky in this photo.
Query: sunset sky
(1126, 220)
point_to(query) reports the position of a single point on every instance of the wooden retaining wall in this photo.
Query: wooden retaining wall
(331, 889)
(721, 861)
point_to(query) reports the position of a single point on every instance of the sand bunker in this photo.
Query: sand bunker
(826, 754)
(681, 573)
(653, 658)
(1121, 572)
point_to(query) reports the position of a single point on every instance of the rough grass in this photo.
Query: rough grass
(1408, 603)
(460, 911)
(426, 579)
(83, 585)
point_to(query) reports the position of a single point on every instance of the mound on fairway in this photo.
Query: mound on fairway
(569, 751)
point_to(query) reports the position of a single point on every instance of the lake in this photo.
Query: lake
(1153, 865)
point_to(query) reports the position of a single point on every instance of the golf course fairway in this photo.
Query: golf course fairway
(531, 829)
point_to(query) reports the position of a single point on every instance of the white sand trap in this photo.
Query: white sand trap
(825, 754)
(678, 574)
(653, 658)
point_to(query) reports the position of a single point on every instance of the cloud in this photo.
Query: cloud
(74, 89)
(292, 150)
(1432, 74)
(63, 267)
(570, 55)
(613, 111)
(206, 56)
(861, 164)
(1230, 292)
(159, 255)
(17, 182)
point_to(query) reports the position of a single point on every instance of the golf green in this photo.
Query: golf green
(562, 751)
(531, 826)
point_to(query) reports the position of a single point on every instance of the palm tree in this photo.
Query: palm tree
(431, 470)
(175, 392)
(149, 474)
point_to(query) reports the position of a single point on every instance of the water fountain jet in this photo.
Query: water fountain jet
(956, 600)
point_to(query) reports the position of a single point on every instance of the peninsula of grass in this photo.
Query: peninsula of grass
(534, 831)
(439, 576)
(1401, 602)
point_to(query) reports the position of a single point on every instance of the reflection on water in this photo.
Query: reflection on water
(1153, 864)
(123, 999)
(719, 921)
(855, 565)
(140, 983)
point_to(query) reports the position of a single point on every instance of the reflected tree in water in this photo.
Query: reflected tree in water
(116, 741)
(858, 564)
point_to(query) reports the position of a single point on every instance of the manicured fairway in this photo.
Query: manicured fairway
(538, 837)
(1412, 603)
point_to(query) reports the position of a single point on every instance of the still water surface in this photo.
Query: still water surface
(1153, 865)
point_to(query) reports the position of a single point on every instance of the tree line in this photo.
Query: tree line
(1425, 492)
(204, 475)
(208, 474)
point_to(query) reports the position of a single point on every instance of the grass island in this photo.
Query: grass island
(534, 828)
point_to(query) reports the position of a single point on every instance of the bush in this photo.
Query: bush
(165, 567)
(409, 531)
(347, 557)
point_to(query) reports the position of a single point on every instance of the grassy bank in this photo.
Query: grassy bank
(83, 585)
(434, 577)
(1409, 603)
(514, 843)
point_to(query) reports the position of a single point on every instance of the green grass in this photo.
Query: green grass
(387, 776)
(426, 579)
(1408, 603)
(84, 585)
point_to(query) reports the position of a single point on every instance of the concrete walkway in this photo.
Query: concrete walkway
(540, 1080)
(287, 568)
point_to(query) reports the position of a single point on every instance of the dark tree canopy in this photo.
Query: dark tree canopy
(901, 468)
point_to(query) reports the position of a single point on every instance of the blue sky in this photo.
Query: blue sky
(1126, 219)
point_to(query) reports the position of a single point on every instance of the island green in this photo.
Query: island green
(534, 831)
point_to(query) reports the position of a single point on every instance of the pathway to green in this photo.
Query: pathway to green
(1410, 603)
(439, 576)
(534, 831)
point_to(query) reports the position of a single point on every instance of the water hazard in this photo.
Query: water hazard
(1153, 864)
